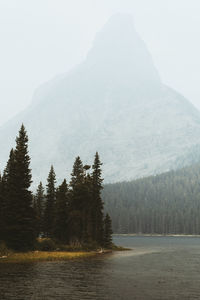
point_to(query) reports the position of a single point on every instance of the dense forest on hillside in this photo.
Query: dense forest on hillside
(68, 214)
(164, 204)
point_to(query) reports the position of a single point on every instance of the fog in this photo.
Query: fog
(40, 39)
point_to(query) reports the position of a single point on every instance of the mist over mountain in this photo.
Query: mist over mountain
(114, 103)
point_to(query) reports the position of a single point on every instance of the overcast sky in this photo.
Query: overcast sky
(41, 38)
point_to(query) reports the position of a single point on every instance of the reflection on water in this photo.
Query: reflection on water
(79, 279)
(157, 268)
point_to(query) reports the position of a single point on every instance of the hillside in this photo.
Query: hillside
(164, 204)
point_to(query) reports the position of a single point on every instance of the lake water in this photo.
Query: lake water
(156, 268)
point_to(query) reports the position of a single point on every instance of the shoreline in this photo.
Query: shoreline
(42, 256)
(155, 235)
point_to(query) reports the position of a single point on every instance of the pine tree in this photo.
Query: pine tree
(87, 206)
(76, 202)
(77, 173)
(1, 212)
(39, 200)
(49, 213)
(61, 231)
(20, 218)
(107, 231)
(2, 207)
(97, 206)
(80, 203)
(2, 224)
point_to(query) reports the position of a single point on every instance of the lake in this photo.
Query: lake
(156, 268)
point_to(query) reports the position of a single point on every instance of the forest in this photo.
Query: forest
(164, 204)
(71, 213)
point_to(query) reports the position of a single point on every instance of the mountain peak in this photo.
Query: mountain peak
(119, 30)
(113, 102)
(122, 20)
(118, 49)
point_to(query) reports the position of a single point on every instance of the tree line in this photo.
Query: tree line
(164, 204)
(71, 213)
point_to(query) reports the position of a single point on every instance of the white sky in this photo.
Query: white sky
(42, 38)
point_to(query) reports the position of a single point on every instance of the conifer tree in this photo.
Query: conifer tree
(80, 203)
(97, 215)
(39, 200)
(1, 212)
(2, 224)
(20, 218)
(107, 231)
(49, 213)
(77, 173)
(2, 207)
(76, 201)
(9, 194)
(61, 231)
(87, 206)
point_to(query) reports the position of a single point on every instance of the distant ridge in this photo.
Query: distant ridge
(164, 204)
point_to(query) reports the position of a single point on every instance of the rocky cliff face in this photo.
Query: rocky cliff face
(113, 103)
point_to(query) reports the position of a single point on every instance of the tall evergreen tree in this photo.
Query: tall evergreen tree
(76, 201)
(77, 174)
(61, 231)
(39, 201)
(97, 217)
(107, 231)
(1, 211)
(2, 224)
(20, 218)
(87, 206)
(49, 212)
(80, 203)
(2, 207)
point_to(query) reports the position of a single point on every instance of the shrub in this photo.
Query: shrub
(4, 251)
(45, 244)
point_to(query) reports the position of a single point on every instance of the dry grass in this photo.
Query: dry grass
(36, 256)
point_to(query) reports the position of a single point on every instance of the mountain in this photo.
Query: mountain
(168, 203)
(114, 103)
